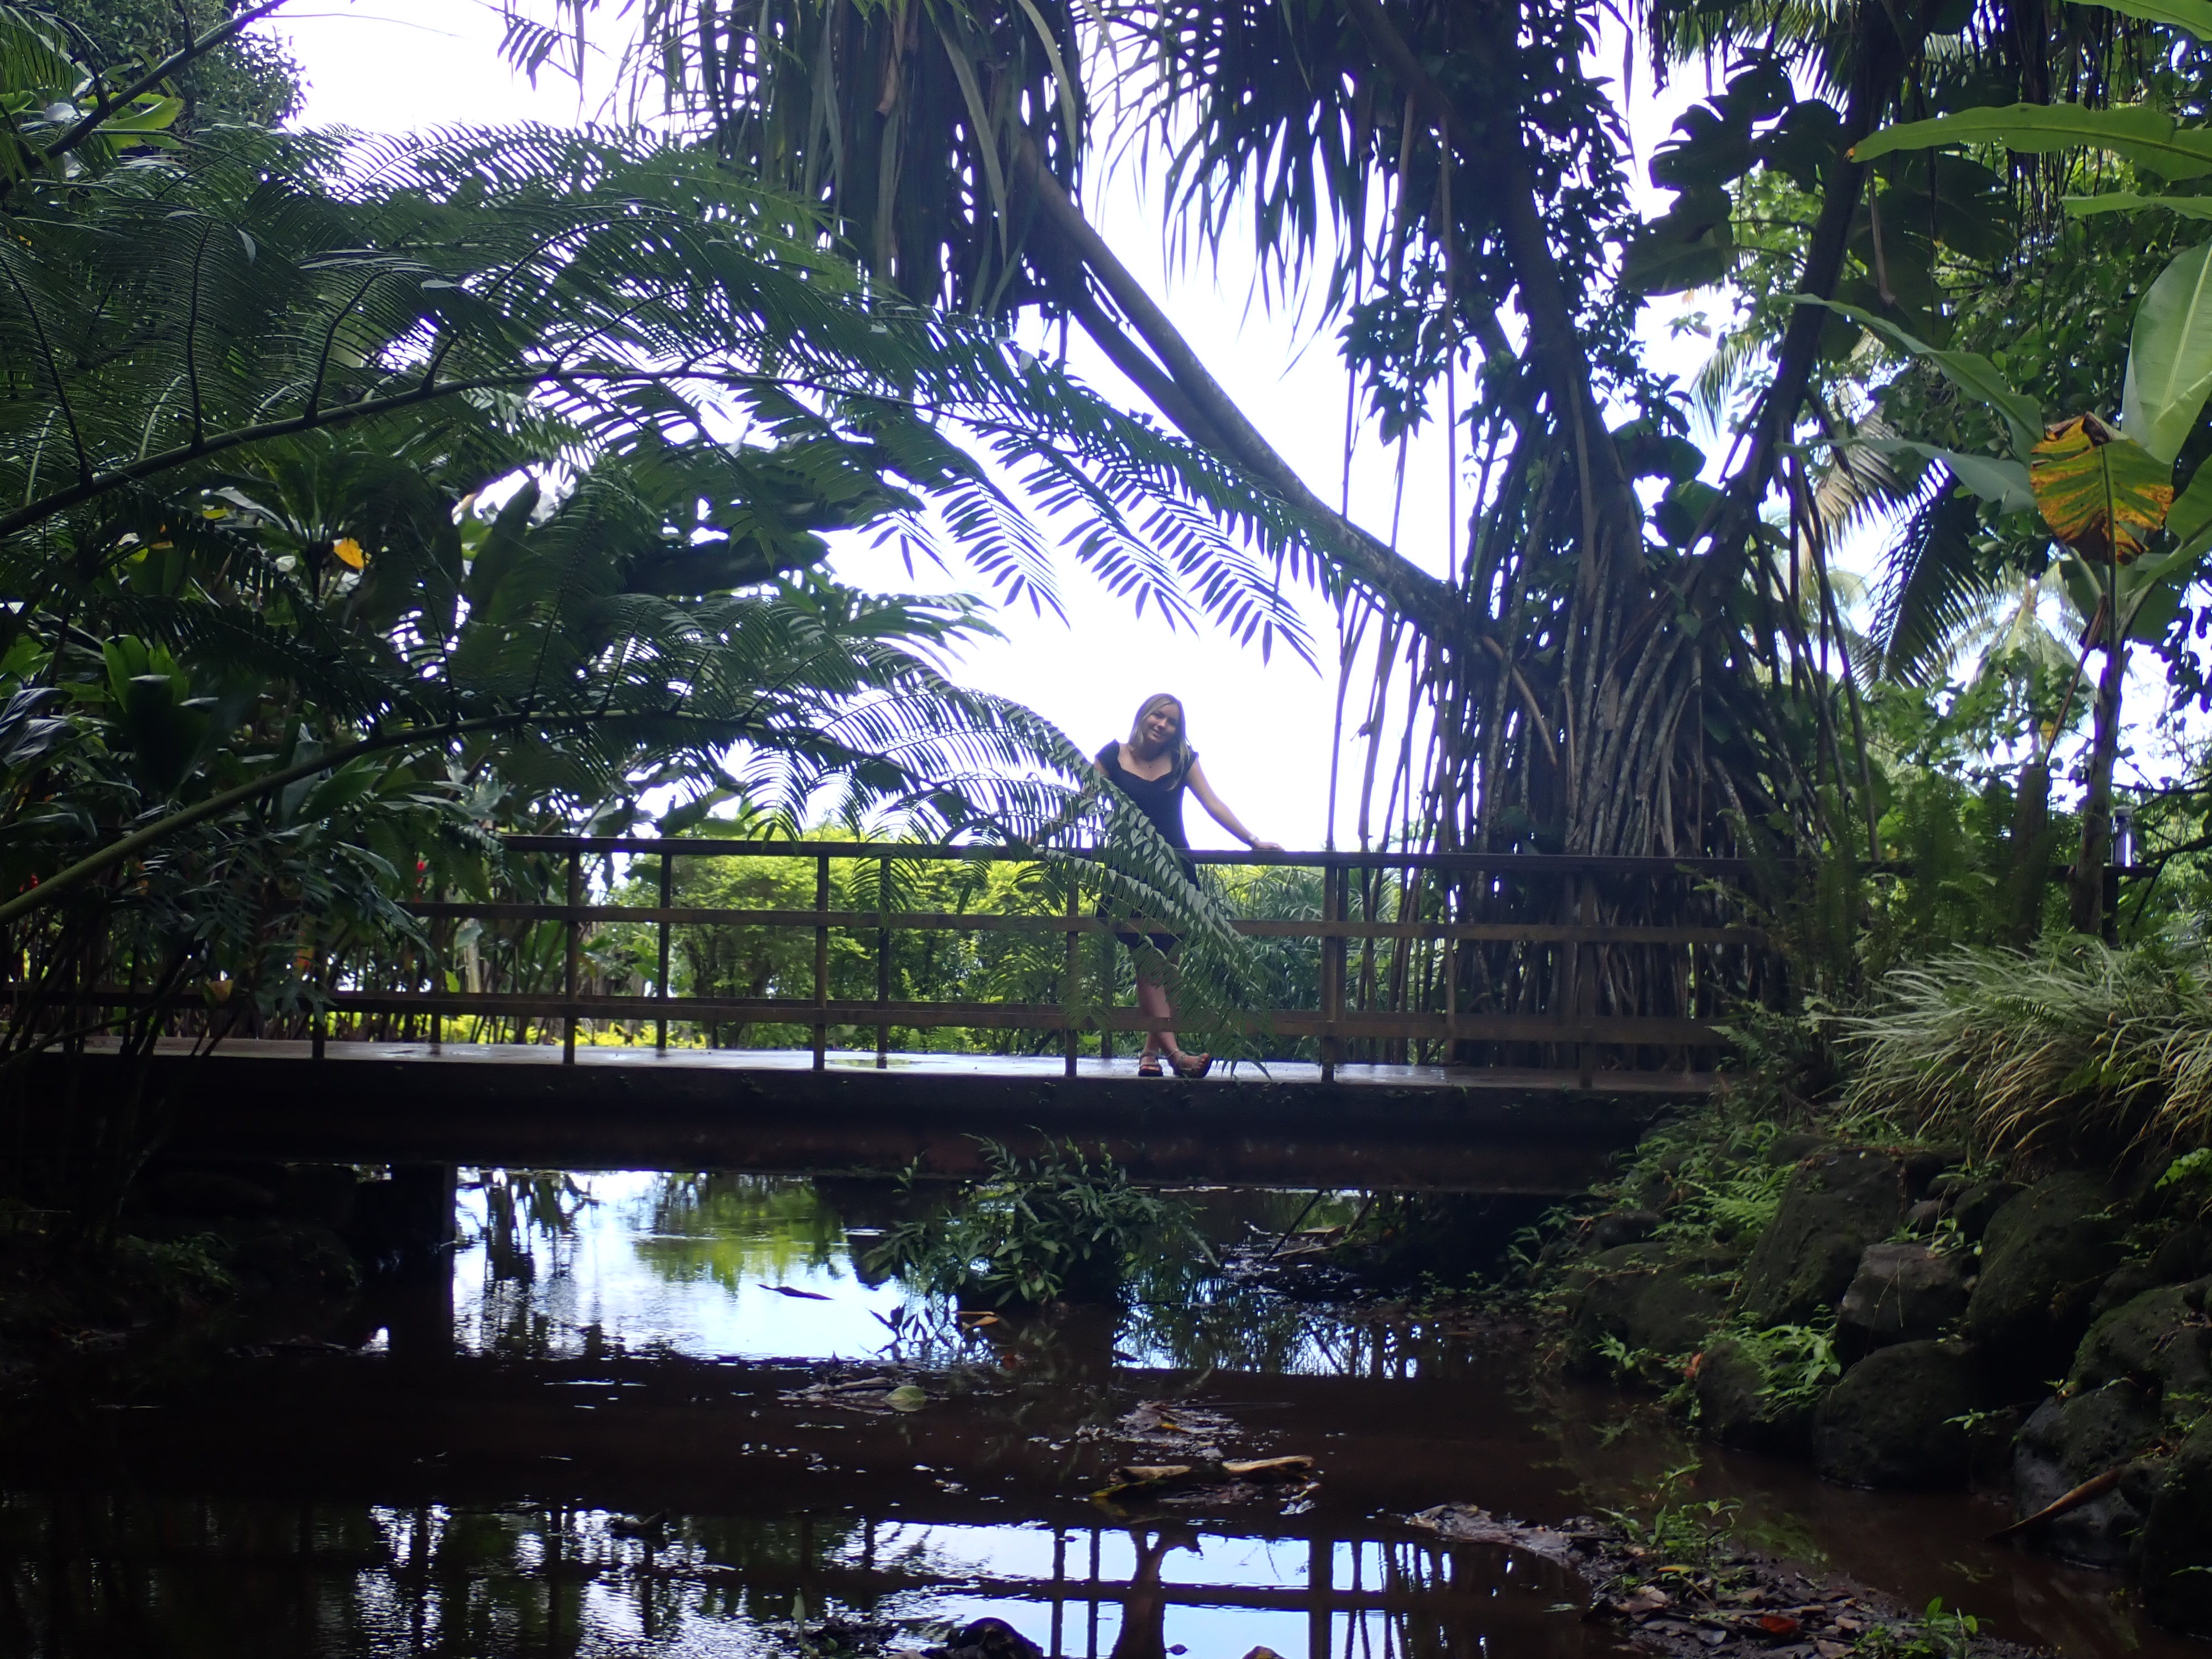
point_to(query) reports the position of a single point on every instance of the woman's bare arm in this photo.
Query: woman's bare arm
(1217, 809)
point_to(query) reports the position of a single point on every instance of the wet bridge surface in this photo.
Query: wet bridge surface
(1406, 1127)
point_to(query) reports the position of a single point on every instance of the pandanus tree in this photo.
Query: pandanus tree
(1622, 657)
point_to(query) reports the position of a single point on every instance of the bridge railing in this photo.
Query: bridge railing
(1551, 963)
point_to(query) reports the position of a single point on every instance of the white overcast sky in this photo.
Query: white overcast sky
(395, 66)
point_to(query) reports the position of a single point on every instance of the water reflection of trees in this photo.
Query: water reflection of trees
(733, 1229)
(525, 1210)
(1181, 1311)
(86, 1575)
(529, 1235)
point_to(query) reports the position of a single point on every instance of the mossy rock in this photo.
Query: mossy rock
(2183, 1253)
(1976, 1202)
(2139, 1365)
(1892, 1422)
(2177, 1539)
(1650, 1304)
(1734, 1406)
(2044, 1257)
(1902, 1292)
(2157, 1340)
(1836, 1204)
(2073, 1439)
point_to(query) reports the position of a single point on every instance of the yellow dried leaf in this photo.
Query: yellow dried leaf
(347, 551)
(2100, 493)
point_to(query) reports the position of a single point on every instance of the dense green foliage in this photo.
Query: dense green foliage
(1065, 1226)
(367, 498)
(247, 79)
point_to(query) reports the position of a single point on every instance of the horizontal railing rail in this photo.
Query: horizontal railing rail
(1592, 963)
(982, 921)
(1528, 863)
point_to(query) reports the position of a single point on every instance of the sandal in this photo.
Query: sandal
(1193, 1067)
(1150, 1067)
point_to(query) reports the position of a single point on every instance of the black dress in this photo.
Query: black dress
(1159, 799)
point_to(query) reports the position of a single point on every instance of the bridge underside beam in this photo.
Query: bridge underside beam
(1400, 1128)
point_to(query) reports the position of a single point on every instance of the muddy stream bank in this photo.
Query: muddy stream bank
(675, 1415)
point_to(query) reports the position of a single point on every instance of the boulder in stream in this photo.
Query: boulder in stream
(1837, 1203)
(1893, 1420)
(2157, 1340)
(986, 1639)
(1975, 1202)
(2140, 1365)
(2044, 1257)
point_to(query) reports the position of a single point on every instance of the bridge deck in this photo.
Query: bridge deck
(1042, 1068)
(1436, 1127)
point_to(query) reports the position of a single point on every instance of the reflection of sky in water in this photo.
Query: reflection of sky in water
(564, 1264)
(668, 1262)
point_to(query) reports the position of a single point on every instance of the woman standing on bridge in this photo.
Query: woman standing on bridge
(1152, 766)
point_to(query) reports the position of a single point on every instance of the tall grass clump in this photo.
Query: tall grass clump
(2076, 1048)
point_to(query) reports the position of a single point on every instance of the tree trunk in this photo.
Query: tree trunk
(2088, 905)
(2030, 844)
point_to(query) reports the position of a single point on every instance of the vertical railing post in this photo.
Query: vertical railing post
(821, 962)
(660, 982)
(1586, 981)
(1109, 983)
(1069, 971)
(883, 961)
(1334, 886)
(1445, 890)
(571, 969)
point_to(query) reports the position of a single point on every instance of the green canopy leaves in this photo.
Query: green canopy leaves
(2170, 356)
(2149, 138)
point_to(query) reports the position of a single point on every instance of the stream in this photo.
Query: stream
(617, 1420)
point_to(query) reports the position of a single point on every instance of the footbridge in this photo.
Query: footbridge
(1499, 1023)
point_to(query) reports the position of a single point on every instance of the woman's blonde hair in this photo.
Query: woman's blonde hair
(1151, 706)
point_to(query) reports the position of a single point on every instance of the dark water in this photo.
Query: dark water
(461, 1466)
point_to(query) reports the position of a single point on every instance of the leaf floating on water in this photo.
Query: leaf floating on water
(1267, 1468)
(907, 1398)
(787, 1290)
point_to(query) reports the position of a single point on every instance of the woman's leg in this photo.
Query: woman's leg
(1152, 999)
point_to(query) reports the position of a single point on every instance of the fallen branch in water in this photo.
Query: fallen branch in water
(2094, 1487)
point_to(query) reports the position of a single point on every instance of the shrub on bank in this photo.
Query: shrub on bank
(1979, 1247)
(2077, 1050)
